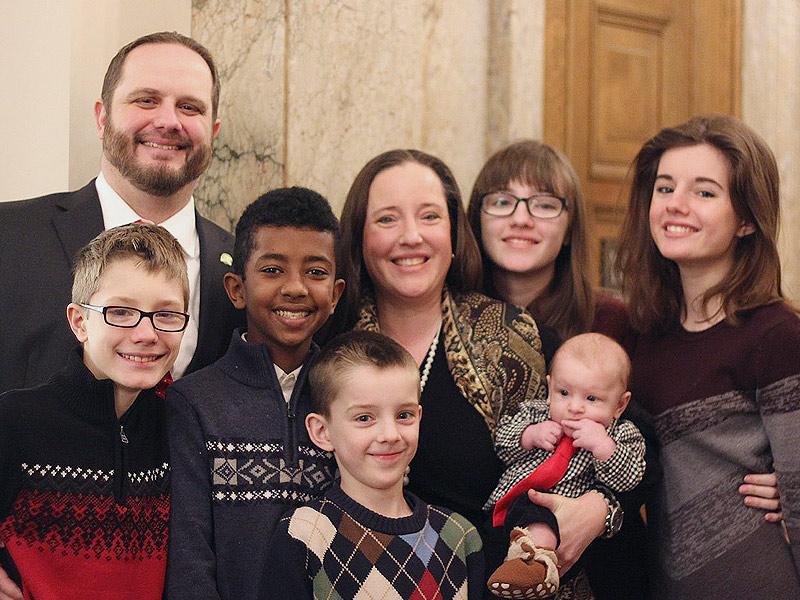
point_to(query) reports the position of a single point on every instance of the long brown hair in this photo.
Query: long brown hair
(651, 282)
(464, 274)
(567, 305)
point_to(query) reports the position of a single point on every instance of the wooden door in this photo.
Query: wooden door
(617, 71)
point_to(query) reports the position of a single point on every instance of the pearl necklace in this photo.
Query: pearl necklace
(424, 379)
(429, 360)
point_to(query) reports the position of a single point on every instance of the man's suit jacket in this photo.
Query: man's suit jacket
(38, 242)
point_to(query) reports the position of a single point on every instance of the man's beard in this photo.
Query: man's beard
(154, 180)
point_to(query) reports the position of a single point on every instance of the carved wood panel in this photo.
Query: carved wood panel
(616, 71)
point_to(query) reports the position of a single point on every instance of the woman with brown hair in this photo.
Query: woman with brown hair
(717, 361)
(412, 267)
(537, 256)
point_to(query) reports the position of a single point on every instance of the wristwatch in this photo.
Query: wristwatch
(614, 514)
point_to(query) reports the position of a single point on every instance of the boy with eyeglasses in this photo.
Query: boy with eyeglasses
(84, 463)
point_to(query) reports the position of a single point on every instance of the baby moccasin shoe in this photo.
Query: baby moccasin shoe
(528, 571)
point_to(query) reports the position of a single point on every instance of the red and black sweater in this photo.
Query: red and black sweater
(84, 496)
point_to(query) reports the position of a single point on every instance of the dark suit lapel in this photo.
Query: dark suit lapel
(214, 303)
(80, 220)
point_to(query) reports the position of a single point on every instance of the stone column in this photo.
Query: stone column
(248, 41)
(771, 104)
(516, 72)
(312, 90)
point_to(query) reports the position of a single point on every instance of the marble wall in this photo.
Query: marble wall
(771, 104)
(312, 90)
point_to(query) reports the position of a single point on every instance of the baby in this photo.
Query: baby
(568, 446)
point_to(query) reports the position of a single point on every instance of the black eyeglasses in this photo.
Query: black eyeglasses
(127, 317)
(540, 206)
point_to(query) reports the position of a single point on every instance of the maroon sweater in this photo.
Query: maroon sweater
(611, 318)
(726, 402)
(84, 496)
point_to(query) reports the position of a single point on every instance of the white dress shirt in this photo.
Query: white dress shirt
(183, 226)
(286, 380)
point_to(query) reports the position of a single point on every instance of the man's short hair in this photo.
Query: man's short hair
(346, 352)
(597, 351)
(151, 246)
(117, 64)
(283, 207)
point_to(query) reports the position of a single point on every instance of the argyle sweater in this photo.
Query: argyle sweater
(84, 496)
(337, 548)
(726, 402)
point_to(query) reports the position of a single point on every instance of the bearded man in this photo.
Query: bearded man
(157, 119)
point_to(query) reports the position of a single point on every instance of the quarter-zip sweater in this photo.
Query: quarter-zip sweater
(84, 496)
(241, 458)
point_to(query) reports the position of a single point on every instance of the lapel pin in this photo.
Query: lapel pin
(226, 259)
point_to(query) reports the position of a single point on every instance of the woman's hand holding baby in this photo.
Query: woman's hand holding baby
(580, 520)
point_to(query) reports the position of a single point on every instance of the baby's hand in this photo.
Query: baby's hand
(591, 436)
(541, 435)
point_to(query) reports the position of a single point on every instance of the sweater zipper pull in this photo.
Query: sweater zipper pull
(122, 435)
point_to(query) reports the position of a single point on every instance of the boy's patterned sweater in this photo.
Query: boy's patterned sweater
(337, 548)
(241, 459)
(84, 496)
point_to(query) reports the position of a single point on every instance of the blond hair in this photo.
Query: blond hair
(151, 246)
(596, 351)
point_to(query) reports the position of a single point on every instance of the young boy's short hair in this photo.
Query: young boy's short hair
(283, 207)
(596, 350)
(153, 248)
(346, 352)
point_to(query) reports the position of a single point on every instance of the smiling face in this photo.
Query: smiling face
(373, 429)
(578, 391)
(692, 220)
(288, 291)
(157, 133)
(133, 358)
(521, 244)
(407, 248)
